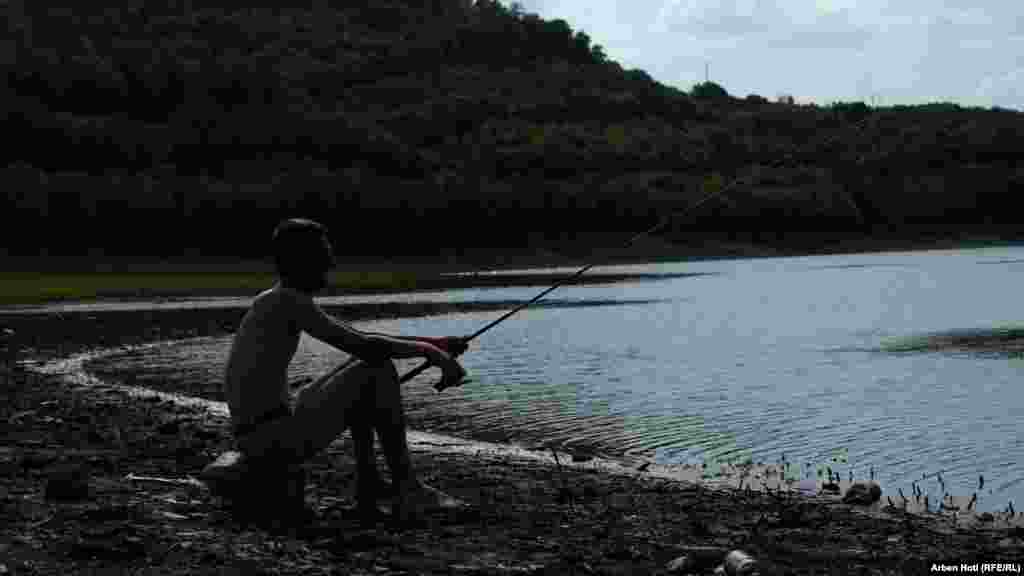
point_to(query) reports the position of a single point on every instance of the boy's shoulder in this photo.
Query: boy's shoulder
(281, 297)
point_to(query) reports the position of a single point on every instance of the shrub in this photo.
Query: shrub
(709, 91)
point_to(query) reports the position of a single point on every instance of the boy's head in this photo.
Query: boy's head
(302, 254)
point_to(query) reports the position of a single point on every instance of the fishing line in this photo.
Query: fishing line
(629, 243)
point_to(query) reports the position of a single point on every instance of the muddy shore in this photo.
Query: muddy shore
(527, 516)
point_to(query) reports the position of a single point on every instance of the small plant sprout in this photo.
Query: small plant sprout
(791, 473)
(712, 469)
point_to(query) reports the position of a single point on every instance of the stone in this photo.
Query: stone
(739, 563)
(698, 559)
(863, 493)
(680, 565)
(256, 487)
(228, 468)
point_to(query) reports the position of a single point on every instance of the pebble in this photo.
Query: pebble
(739, 563)
(680, 565)
(831, 488)
(699, 559)
(863, 493)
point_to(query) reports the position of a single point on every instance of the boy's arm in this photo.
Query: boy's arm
(368, 347)
(453, 345)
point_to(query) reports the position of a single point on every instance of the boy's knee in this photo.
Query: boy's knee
(380, 372)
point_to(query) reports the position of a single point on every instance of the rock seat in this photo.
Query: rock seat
(257, 487)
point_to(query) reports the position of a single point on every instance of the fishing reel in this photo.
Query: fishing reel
(443, 344)
(439, 385)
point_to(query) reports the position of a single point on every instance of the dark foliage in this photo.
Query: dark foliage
(146, 127)
(709, 91)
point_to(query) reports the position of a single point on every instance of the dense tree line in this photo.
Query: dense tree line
(141, 126)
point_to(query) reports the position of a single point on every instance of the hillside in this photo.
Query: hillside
(147, 129)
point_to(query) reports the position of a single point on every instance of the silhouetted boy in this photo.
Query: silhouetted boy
(270, 424)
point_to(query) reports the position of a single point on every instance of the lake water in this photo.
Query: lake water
(755, 358)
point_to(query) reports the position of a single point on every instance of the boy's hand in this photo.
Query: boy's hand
(454, 345)
(452, 374)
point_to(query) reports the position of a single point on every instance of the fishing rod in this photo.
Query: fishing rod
(629, 243)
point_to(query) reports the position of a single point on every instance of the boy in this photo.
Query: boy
(363, 395)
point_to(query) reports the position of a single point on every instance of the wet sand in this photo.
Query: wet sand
(529, 514)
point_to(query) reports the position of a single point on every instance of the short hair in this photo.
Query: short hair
(299, 252)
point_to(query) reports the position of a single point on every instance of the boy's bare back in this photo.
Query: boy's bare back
(263, 348)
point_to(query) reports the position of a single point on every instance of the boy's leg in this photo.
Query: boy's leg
(411, 494)
(326, 407)
(389, 420)
(331, 401)
(369, 486)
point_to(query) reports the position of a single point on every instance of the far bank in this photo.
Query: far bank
(39, 279)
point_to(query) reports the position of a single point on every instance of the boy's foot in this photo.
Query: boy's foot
(367, 511)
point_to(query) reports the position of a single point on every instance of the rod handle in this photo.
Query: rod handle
(414, 372)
